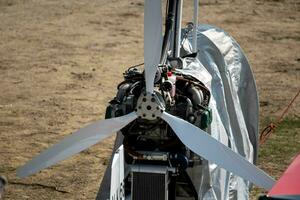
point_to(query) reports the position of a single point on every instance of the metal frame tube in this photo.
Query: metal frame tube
(195, 22)
(169, 29)
(177, 30)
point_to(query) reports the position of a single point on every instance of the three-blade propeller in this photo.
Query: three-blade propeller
(194, 138)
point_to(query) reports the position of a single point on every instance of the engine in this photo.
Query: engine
(153, 142)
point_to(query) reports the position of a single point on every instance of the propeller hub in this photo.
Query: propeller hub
(149, 106)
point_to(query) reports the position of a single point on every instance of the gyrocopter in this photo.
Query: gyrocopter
(187, 125)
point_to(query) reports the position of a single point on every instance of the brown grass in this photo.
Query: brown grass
(60, 63)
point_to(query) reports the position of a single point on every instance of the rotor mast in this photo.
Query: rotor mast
(177, 29)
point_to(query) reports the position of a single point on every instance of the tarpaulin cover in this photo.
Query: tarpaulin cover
(222, 66)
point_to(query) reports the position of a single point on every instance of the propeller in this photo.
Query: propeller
(75, 143)
(149, 107)
(211, 149)
(152, 40)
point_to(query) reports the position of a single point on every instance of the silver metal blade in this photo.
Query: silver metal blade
(209, 148)
(75, 143)
(152, 40)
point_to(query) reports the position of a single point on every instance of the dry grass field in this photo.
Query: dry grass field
(60, 63)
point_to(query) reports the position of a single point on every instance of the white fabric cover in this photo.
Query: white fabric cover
(222, 66)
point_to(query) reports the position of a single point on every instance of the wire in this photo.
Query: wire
(270, 129)
(134, 66)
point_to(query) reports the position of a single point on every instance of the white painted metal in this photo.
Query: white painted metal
(117, 176)
(211, 149)
(75, 143)
(195, 22)
(152, 40)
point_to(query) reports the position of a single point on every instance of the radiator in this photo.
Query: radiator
(149, 183)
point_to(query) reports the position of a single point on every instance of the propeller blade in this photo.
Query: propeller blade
(152, 40)
(209, 148)
(75, 143)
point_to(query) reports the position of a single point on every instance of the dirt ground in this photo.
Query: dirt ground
(60, 63)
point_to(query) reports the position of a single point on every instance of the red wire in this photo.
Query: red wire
(270, 129)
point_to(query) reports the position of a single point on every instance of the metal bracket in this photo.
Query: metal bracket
(149, 106)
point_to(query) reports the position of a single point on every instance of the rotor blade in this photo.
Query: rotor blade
(152, 40)
(209, 148)
(75, 143)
